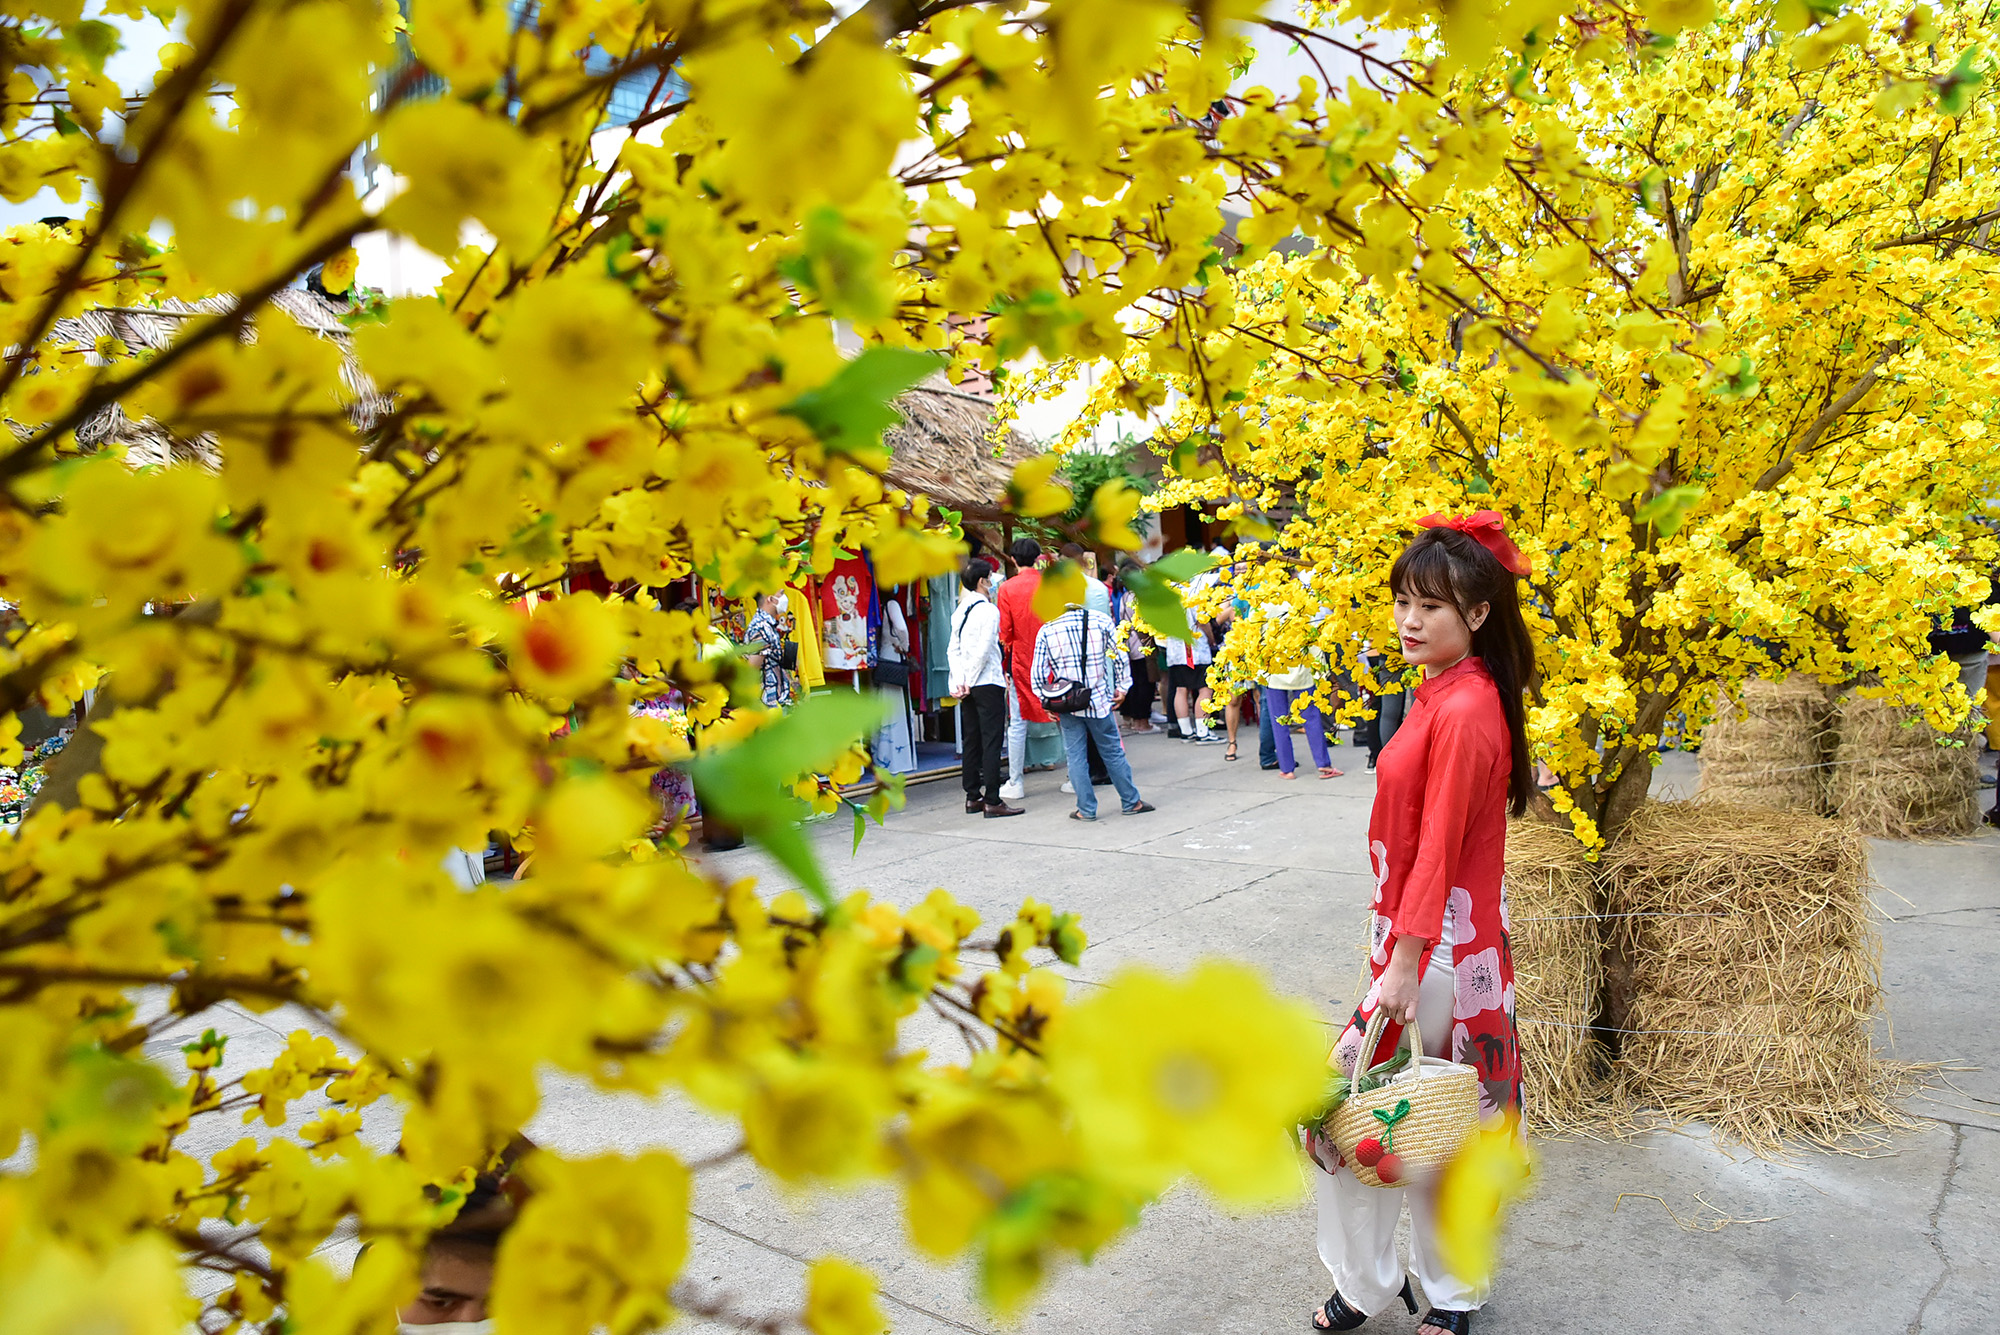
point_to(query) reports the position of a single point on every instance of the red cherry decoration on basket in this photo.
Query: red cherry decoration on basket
(1369, 1152)
(1389, 1167)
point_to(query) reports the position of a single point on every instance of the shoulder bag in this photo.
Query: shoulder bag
(1070, 697)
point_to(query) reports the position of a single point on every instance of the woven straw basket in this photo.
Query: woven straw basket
(1444, 1110)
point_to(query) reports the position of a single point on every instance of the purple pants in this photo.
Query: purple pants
(1280, 705)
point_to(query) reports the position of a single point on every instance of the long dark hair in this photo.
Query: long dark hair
(1449, 567)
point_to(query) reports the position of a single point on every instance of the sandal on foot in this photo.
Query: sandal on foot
(1329, 772)
(1230, 754)
(1078, 815)
(1458, 1323)
(1340, 1316)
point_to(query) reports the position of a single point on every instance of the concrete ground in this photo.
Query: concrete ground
(1668, 1233)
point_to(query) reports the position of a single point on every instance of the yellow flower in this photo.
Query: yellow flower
(1488, 1175)
(1206, 1075)
(598, 1243)
(566, 647)
(461, 164)
(337, 274)
(840, 1300)
(574, 351)
(816, 1119)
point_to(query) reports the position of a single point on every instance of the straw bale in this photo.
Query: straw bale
(1769, 746)
(1741, 939)
(1557, 939)
(1896, 777)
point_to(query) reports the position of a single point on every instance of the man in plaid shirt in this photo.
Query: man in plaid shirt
(1081, 646)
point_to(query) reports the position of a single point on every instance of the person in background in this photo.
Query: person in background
(1018, 624)
(978, 682)
(1137, 710)
(766, 636)
(1187, 684)
(1283, 692)
(895, 744)
(1080, 648)
(1096, 595)
(1097, 598)
(457, 1271)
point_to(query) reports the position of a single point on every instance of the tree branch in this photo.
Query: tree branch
(1941, 232)
(1832, 413)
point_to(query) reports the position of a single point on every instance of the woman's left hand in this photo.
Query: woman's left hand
(1400, 982)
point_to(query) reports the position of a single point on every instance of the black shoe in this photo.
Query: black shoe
(1339, 1316)
(1262, 765)
(1371, 762)
(1142, 806)
(1458, 1323)
(995, 810)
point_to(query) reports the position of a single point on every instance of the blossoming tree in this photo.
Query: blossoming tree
(314, 675)
(1749, 426)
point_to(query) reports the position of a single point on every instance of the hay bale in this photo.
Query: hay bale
(1752, 965)
(1552, 906)
(1896, 777)
(1770, 746)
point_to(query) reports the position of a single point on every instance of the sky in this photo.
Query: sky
(399, 266)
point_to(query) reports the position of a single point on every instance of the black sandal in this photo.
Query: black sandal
(1340, 1316)
(1458, 1323)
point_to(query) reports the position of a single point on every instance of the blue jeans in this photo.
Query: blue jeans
(1278, 704)
(1267, 741)
(1075, 727)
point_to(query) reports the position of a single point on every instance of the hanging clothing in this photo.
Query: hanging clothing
(937, 636)
(805, 633)
(847, 596)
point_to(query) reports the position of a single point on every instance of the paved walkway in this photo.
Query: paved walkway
(1238, 862)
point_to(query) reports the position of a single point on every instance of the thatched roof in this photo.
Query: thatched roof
(154, 327)
(943, 448)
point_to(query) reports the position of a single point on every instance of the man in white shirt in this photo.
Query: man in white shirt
(979, 683)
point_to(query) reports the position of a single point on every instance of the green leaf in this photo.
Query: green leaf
(1668, 510)
(844, 268)
(860, 827)
(109, 1097)
(1159, 602)
(94, 42)
(1955, 90)
(850, 412)
(747, 784)
(1035, 321)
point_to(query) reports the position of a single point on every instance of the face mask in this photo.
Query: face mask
(446, 1328)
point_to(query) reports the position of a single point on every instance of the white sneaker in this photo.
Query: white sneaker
(1013, 791)
(1069, 787)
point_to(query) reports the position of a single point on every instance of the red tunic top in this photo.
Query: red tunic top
(1018, 627)
(1437, 842)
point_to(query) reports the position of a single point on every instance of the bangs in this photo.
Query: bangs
(1425, 571)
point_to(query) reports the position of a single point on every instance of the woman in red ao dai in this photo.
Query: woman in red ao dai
(1436, 841)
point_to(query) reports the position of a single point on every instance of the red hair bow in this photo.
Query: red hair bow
(1489, 530)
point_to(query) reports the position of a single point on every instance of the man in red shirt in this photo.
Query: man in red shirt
(1018, 627)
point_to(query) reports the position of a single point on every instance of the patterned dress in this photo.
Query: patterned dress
(1437, 842)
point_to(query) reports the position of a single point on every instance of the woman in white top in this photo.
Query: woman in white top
(895, 742)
